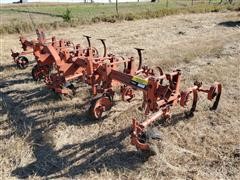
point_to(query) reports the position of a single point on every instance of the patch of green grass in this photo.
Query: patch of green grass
(27, 17)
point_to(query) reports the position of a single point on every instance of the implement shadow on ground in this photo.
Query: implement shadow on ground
(230, 24)
(106, 151)
(92, 155)
(7, 67)
(33, 126)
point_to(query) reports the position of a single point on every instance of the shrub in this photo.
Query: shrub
(67, 15)
(129, 17)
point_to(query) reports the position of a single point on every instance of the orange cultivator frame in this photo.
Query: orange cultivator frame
(160, 92)
(102, 73)
(45, 61)
(60, 63)
(87, 67)
(139, 137)
(28, 48)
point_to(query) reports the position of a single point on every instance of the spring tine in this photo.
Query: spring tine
(88, 39)
(139, 50)
(104, 47)
(216, 102)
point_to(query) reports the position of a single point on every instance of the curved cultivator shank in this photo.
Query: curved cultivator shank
(214, 94)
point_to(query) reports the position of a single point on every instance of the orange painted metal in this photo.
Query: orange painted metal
(160, 90)
(160, 98)
(160, 93)
(27, 46)
(80, 64)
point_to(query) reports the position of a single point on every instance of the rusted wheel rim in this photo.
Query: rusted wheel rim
(22, 62)
(98, 110)
(102, 104)
(40, 72)
(127, 94)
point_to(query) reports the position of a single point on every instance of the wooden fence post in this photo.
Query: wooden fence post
(167, 4)
(117, 8)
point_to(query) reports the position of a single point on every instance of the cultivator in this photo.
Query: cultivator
(160, 92)
(28, 48)
(159, 98)
(60, 62)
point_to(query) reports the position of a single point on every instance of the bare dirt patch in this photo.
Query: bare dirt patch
(44, 137)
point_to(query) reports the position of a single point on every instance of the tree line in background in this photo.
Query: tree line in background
(110, 1)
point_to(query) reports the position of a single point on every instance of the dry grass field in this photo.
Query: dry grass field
(24, 17)
(43, 137)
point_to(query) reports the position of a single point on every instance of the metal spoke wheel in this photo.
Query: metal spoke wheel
(22, 62)
(40, 72)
